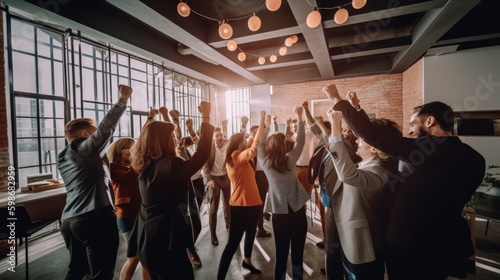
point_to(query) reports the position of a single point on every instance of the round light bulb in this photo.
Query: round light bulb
(225, 31)
(283, 51)
(289, 42)
(295, 38)
(313, 19)
(262, 60)
(273, 5)
(254, 23)
(183, 9)
(242, 56)
(273, 58)
(358, 4)
(232, 45)
(341, 16)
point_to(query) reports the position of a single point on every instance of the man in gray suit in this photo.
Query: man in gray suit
(89, 224)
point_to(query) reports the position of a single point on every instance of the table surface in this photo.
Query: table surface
(30, 196)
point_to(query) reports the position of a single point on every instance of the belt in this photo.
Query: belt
(302, 166)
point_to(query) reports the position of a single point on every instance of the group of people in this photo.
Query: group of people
(391, 204)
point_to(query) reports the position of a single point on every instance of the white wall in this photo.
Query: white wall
(467, 81)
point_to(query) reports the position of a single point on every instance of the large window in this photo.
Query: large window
(237, 106)
(57, 77)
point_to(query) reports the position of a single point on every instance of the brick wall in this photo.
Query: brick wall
(379, 94)
(413, 91)
(4, 141)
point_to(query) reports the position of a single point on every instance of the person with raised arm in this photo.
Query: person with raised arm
(427, 235)
(287, 197)
(162, 231)
(88, 221)
(245, 203)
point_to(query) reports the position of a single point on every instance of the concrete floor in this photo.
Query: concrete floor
(49, 259)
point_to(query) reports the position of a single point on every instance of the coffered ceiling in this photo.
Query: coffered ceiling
(382, 37)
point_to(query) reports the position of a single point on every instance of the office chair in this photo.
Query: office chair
(24, 228)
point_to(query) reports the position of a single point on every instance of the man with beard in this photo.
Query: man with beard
(428, 237)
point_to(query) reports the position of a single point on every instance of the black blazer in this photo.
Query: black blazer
(162, 224)
(427, 210)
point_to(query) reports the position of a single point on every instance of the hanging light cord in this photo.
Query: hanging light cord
(229, 19)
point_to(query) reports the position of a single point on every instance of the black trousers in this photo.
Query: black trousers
(92, 240)
(263, 186)
(243, 221)
(402, 264)
(196, 198)
(290, 229)
(222, 185)
(374, 270)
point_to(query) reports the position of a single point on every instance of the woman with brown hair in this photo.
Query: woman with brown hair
(161, 234)
(245, 202)
(124, 180)
(286, 198)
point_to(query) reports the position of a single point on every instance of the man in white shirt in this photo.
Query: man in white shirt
(215, 177)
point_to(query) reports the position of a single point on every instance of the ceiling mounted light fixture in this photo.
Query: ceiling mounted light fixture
(225, 30)
(313, 18)
(232, 45)
(183, 9)
(273, 58)
(289, 42)
(283, 51)
(262, 60)
(242, 56)
(341, 16)
(254, 23)
(358, 4)
(273, 5)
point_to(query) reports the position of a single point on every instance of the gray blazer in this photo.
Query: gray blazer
(360, 204)
(84, 168)
(284, 188)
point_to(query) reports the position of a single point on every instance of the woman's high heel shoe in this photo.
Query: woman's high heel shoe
(252, 268)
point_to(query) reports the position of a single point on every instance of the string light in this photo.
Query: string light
(254, 23)
(340, 16)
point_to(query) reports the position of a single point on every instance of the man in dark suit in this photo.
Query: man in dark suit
(89, 224)
(428, 237)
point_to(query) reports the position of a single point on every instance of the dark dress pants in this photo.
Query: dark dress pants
(197, 190)
(222, 184)
(164, 265)
(263, 186)
(92, 240)
(243, 221)
(290, 230)
(374, 270)
(333, 251)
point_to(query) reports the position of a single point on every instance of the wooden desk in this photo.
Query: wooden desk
(41, 206)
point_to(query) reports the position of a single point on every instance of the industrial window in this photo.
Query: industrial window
(57, 77)
(238, 105)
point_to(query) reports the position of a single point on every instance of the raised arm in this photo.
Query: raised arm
(345, 167)
(294, 154)
(96, 143)
(251, 151)
(276, 127)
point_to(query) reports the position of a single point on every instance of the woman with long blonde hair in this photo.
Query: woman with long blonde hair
(161, 234)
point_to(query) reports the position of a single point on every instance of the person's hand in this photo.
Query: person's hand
(332, 93)
(352, 97)
(268, 120)
(335, 118)
(174, 114)
(204, 108)
(288, 121)
(275, 118)
(244, 121)
(164, 113)
(211, 184)
(152, 112)
(305, 105)
(298, 111)
(125, 93)
(224, 123)
(189, 124)
(262, 115)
